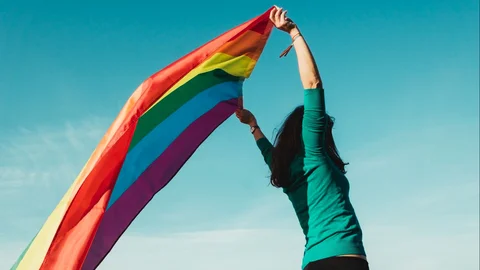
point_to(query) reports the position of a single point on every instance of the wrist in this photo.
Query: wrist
(294, 32)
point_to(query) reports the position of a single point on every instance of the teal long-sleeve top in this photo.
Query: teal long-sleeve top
(319, 191)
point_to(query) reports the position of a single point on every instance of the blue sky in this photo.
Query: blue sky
(401, 78)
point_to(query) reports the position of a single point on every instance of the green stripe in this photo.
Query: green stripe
(176, 99)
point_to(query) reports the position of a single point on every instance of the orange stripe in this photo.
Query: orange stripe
(248, 40)
(95, 183)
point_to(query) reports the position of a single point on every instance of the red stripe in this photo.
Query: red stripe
(75, 234)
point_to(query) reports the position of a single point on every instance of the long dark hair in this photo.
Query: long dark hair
(288, 144)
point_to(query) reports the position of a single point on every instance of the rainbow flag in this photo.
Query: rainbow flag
(162, 124)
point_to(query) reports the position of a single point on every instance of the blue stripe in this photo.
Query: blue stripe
(153, 144)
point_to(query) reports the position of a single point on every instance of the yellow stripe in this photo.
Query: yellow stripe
(35, 255)
(239, 66)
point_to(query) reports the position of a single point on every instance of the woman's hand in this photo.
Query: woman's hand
(246, 117)
(281, 21)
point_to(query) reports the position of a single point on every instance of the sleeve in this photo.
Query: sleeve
(266, 149)
(314, 123)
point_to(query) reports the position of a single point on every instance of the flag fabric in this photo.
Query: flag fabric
(162, 124)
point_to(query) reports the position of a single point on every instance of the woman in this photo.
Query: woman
(304, 162)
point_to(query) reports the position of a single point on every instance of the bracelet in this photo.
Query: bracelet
(295, 37)
(287, 50)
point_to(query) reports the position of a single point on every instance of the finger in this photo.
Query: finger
(282, 16)
(275, 8)
(272, 15)
(277, 15)
(275, 12)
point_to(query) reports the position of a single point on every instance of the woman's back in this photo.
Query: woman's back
(319, 194)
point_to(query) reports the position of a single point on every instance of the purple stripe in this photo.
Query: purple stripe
(119, 216)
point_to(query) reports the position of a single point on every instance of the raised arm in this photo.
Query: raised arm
(246, 117)
(314, 119)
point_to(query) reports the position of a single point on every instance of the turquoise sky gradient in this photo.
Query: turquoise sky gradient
(401, 79)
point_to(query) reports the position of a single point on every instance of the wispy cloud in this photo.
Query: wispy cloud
(47, 156)
(213, 250)
(417, 198)
(412, 246)
(37, 165)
